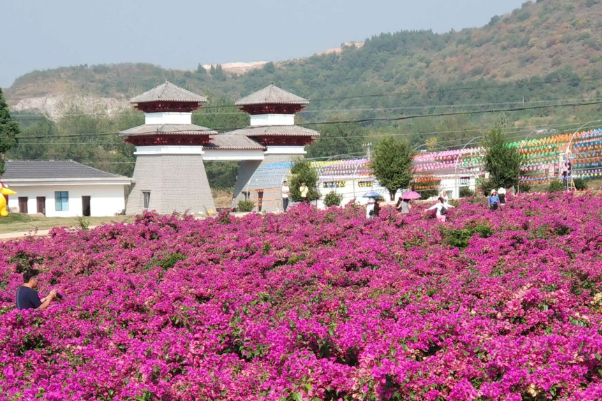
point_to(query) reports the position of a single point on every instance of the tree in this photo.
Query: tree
(9, 131)
(501, 161)
(337, 139)
(302, 172)
(201, 70)
(392, 164)
(270, 68)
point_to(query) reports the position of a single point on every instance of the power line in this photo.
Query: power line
(422, 91)
(366, 120)
(338, 110)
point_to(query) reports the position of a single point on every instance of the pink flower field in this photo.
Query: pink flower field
(314, 305)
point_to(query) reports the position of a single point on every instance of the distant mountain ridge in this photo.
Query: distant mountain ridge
(551, 40)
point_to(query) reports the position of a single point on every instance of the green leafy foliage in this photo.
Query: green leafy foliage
(9, 131)
(392, 164)
(461, 237)
(245, 206)
(340, 139)
(333, 199)
(83, 223)
(556, 186)
(502, 162)
(303, 173)
(169, 261)
(525, 188)
(466, 192)
(580, 184)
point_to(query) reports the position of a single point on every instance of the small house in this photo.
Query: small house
(64, 189)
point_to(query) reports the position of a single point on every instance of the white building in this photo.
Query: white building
(63, 189)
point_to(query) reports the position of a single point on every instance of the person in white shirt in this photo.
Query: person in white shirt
(442, 207)
(501, 193)
(285, 191)
(370, 209)
(444, 196)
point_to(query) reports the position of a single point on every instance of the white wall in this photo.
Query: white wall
(168, 118)
(452, 185)
(272, 119)
(352, 189)
(105, 200)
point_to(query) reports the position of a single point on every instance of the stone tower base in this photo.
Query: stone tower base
(246, 170)
(177, 183)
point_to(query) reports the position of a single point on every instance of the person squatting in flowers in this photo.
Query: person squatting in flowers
(27, 296)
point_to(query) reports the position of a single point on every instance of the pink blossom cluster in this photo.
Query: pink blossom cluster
(314, 305)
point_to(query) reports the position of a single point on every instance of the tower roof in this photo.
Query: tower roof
(168, 92)
(271, 95)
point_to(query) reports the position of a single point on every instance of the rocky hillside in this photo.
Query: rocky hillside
(549, 41)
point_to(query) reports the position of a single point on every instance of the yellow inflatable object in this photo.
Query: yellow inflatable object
(4, 191)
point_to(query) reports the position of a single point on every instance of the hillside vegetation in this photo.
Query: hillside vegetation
(535, 40)
(546, 51)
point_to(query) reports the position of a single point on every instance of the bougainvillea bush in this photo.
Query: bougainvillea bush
(314, 305)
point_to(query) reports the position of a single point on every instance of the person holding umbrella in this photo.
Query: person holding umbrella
(403, 205)
(373, 208)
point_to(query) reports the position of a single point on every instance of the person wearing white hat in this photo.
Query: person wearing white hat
(502, 195)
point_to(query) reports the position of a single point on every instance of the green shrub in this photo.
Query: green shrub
(167, 262)
(429, 193)
(245, 206)
(459, 238)
(333, 199)
(556, 186)
(580, 184)
(83, 223)
(465, 192)
(486, 186)
(525, 188)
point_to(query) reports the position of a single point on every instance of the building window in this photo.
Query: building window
(61, 201)
(464, 181)
(146, 195)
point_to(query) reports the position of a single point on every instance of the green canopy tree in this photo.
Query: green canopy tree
(392, 164)
(502, 162)
(337, 139)
(9, 131)
(303, 173)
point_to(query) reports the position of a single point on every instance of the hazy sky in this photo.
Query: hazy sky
(42, 34)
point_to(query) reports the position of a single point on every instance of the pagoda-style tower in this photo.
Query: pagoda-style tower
(169, 174)
(272, 113)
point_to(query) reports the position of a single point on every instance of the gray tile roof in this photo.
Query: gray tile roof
(60, 169)
(168, 92)
(232, 142)
(180, 129)
(276, 130)
(271, 95)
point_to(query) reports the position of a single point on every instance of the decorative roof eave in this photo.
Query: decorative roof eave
(276, 130)
(168, 92)
(271, 95)
(168, 129)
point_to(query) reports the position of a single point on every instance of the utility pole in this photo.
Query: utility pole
(368, 146)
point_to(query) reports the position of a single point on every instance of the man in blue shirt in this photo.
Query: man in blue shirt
(28, 298)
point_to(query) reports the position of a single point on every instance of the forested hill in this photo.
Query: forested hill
(524, 63)
(543, 37)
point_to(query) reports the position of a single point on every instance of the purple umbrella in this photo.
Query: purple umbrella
(411, 195)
